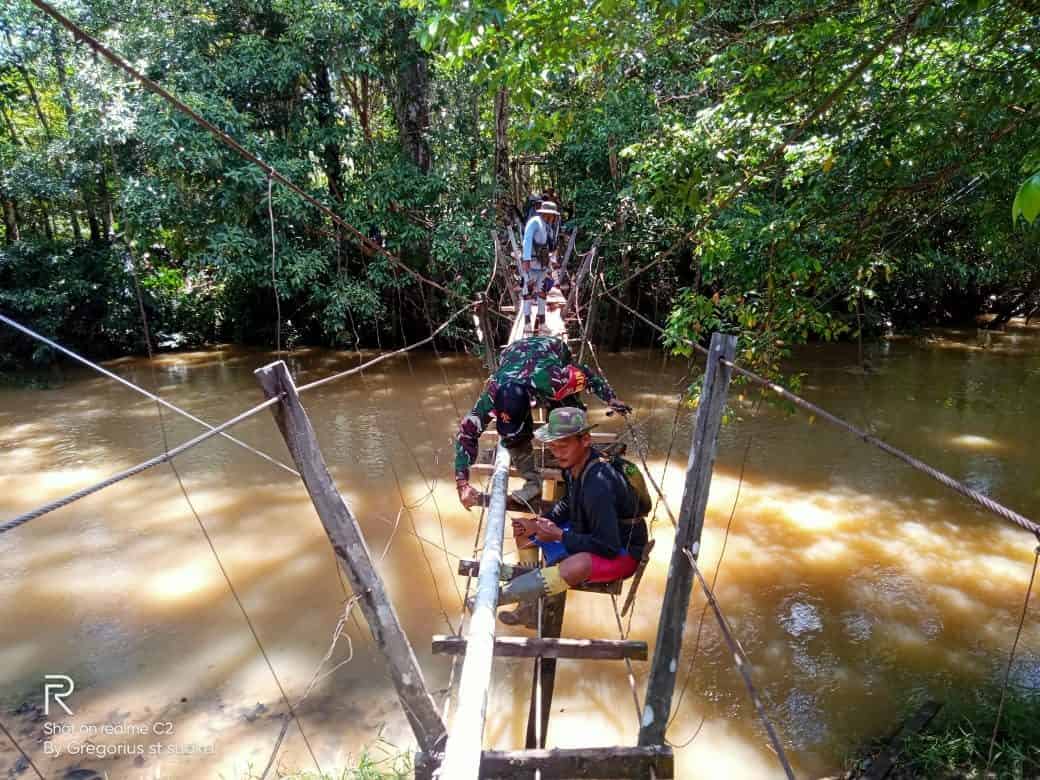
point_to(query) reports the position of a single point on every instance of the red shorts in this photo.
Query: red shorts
(610, 569)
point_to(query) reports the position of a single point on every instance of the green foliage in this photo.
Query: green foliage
(1027, 200)
(956, 744)
(671, 128)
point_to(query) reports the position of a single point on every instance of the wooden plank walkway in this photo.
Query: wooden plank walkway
(461, 758)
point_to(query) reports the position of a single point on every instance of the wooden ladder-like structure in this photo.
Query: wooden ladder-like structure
(458, 754)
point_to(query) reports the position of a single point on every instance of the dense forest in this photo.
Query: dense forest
(789, 170)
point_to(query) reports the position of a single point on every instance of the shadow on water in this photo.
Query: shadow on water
(853, 582)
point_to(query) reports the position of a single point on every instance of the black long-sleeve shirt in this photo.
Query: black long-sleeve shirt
(595, 506)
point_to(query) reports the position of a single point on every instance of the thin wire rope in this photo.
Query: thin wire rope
(431, 485)
(81, 35)
(623, 635)
(202, 525)
(138, 389)
(704, 611)
(1011, 660)
(422, 548)
(993, 506)
(18, 747)
(821, 108)
(386, 355)
(274, 275)
(462, 617)
(145, 465)
(739, 657)
(742, 663)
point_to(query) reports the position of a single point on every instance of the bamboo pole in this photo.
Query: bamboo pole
(462, 753)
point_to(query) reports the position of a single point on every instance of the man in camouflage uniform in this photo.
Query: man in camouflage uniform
(536, 370)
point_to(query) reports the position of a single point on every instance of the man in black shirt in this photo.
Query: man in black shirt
(596, 521)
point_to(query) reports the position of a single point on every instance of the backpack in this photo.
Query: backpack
(633, 476)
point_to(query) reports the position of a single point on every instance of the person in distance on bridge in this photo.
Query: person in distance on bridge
(598, 527)
(536, 370)
(539, 237)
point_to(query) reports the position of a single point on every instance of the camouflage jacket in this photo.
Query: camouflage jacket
(545, 365)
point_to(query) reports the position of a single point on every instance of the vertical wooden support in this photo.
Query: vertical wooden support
(670, 629)
(590, 317)
(545, 672)
(505, 268)
(486, 328)
(462, 753)
(349, 543)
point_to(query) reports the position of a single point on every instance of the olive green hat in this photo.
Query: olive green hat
(563, 422)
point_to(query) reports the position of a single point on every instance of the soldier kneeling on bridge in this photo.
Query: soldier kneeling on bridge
(596, 533)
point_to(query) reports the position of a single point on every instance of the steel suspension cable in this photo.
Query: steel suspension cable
(741, 660)
(1011, 661)
(987, 503)
(81, 35)
(143, 466)
(138, 389)
(166, 456)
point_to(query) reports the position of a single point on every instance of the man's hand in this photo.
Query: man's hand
(468, 495)
(619, 407)
(524, 526)
(547, 531)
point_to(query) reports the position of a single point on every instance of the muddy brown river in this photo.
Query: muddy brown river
(855, 585)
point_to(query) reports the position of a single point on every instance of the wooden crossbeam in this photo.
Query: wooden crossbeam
(596, 435)
(533, 647)
(488, 468)
(605, 763)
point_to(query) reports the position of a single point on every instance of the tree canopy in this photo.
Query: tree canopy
(788, 170)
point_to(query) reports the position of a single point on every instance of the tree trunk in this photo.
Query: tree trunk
(32, 90)
(11, 233)
(94, 225)
(331, 159)
(504, 205)
(77, 234)
(411, 102)
(326, 120)
(105, 204)
(63, 82)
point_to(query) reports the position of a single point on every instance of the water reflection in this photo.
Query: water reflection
(853, 582)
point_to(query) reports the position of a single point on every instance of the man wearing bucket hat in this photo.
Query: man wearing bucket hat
(597, 522)
(536, 370)
(539, 234)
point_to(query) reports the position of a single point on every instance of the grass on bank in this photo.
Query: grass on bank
(956, 743)
(381, 760)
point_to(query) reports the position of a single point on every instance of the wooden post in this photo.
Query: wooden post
(590, 316)
(349, 543)
(462, 753)
(490, 348)
(545, 674)
(668, 648)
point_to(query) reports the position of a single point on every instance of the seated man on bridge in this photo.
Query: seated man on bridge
(599, 526)
(535, 370)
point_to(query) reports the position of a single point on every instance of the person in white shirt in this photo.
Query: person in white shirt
(534, 262)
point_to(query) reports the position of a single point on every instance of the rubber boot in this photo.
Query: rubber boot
(525, 615)
(522, 458)
(539, 323)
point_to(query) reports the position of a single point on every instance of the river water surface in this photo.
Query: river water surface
(855, 585)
